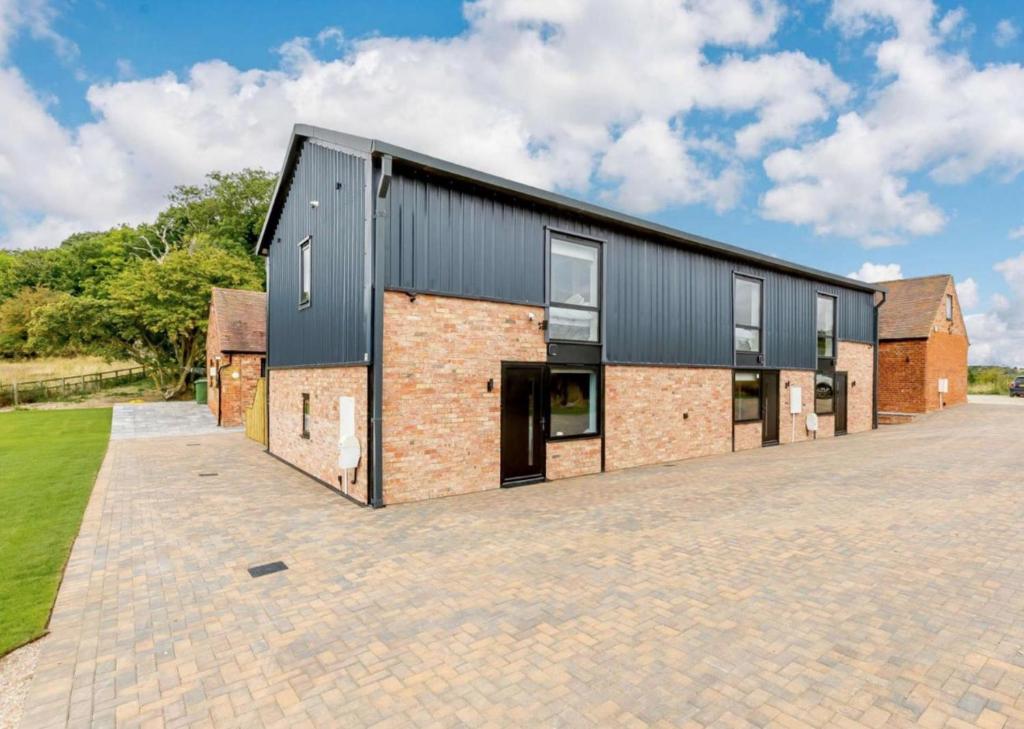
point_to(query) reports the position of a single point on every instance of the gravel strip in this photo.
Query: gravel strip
(16, 671)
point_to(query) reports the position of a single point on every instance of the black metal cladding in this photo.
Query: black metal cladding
(663, 304)
(332, 330)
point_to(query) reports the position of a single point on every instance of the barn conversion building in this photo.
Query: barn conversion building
(485, 333)
(922, 347)
(236, 348)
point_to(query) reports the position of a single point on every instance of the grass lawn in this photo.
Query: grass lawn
(48, 462)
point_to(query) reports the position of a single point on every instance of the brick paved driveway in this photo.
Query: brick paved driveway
(867, 581)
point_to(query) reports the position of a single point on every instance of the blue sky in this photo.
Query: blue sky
(835, 133)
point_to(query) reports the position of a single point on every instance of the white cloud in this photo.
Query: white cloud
(35, 16)
(936, 114)
(997, 335)
(873, 272)
(1016, 233)
(967, 292)
(1006, 33)
(525, 92)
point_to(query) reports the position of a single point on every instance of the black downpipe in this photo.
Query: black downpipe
(266, 347)
(379, 213)
(874, 382)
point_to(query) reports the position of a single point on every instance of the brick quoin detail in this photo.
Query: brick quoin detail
(318, 454)
(442, 429)
(644, 414)
(569, 458)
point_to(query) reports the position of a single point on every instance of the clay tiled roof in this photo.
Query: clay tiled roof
(241, 319)
(910, 307)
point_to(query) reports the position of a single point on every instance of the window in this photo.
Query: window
(305, 271)
(949, 307)
(305, 415)
(574, 293)
(826, 326)
(747, 314)
(824, 393)
(572, 394)
(746, 397)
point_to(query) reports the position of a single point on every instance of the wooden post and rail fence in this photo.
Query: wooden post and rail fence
(19, 393)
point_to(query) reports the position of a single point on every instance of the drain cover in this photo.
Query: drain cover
(208, 473)
(267, 569)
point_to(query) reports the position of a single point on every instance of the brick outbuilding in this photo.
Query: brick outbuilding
(236, 351)
(922, 341)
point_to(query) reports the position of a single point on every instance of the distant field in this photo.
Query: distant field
(48, 462)
(986, 380)
(46, 367)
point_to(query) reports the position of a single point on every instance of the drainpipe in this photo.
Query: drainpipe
(377, 362)
(874, 383)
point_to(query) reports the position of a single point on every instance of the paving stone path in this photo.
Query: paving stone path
(868, 581)
(163, 419)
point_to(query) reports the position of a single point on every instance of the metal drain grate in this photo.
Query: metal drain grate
(267, 569)
(191, 444)
(208, 473)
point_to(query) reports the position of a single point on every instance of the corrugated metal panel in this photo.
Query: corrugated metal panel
(333, 328)
(662, 304)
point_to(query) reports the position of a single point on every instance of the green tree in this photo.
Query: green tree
(153, 312)
(16, 315)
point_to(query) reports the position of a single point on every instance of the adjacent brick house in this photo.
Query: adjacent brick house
(490, 334)
(236, 351)
(922, 341)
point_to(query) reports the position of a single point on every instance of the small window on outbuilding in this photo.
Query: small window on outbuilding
(305, 272)
(949, 307)
(746, 397)
(305, 415)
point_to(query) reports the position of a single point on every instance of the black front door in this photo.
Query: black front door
(840, 403)
(770, 393)
(522, 424)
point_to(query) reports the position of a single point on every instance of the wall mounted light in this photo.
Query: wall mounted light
(686, 416)
(490, 385)
(787, 384)
(853, 384)
(314, 203)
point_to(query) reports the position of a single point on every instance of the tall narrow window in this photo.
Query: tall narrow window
(305, 415)
(826, 326)
(574, 292)
(747, 314)
(305, 272)
(949, 307)
(573, 394)
(824, 393)
(746, 397)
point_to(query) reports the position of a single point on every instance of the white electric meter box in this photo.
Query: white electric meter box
(349, 450)
(943, 384)
(795, 404)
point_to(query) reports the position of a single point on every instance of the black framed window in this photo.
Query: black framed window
(305, 271)
(746, 396)
(573, 401)
(747, 314)
(949, 307)
(574, 290)
(826, 326)
(305, 415)
(824, 393)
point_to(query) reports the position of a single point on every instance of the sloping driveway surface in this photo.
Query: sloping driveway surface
(162, 419)
(867, 581)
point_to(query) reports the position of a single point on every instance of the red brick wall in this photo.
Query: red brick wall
(442, 429)
(645, 409)
(748, 435)
(317, 455)
(947, 356)
(901, 375)
(858, 361)
(568, 458)
(794, 430)
(235, 394)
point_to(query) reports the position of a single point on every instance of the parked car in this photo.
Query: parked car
(1017, 387)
